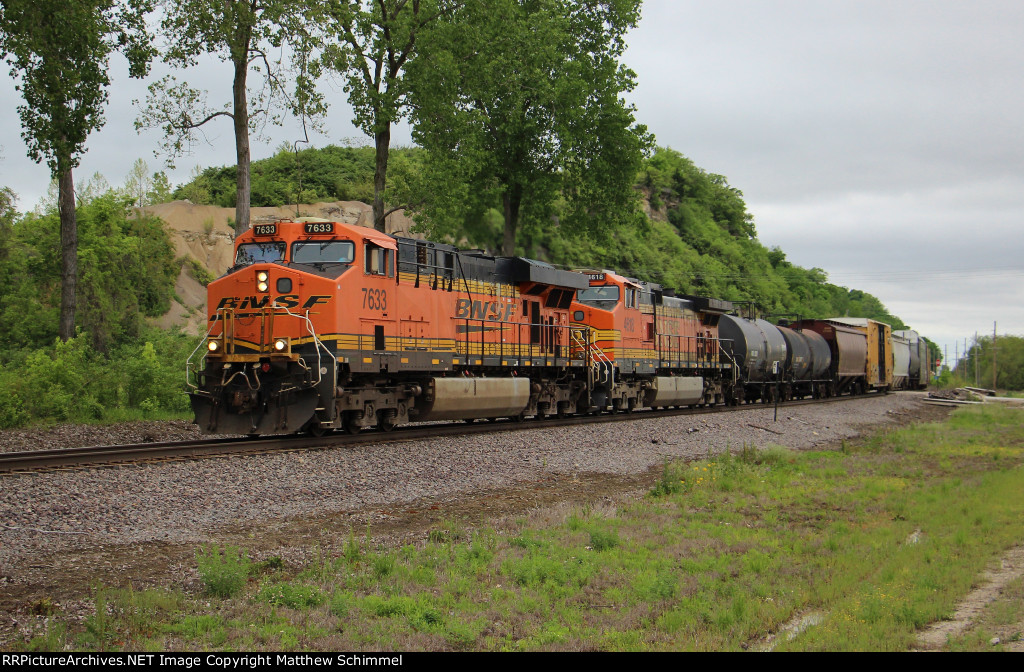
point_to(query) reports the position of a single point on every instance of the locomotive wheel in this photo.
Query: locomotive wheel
(349, 425)
(313, 428)
(387, 420)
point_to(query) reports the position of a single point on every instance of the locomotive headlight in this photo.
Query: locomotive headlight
(262, 286)
(213, 346)
(262, 276)
(281, 344)
(262, 281)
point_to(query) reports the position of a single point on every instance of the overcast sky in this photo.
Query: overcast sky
(879, 141)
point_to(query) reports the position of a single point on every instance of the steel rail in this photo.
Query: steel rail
(93, 456)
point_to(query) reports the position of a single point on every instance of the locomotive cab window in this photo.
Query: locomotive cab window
(323, 252)
(379, 260)
(255, 253)
(604, 298)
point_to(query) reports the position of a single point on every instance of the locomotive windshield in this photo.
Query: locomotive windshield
(604, 298)
(253, 253)
(323, 252)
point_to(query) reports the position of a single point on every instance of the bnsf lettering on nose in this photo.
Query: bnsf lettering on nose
(466, 309)
(285, 300)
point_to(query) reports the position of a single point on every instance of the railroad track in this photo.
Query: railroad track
(96, 456)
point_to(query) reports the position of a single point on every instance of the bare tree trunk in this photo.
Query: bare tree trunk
(511, 199)
(243, 190)
(380, 173)
(68, 250)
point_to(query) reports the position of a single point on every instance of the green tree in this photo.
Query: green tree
(126, 272)
(59, 51)
(240, 32)
(160, 189)
(1009, 362)
(519, 105)
(138, 183)
(375, 41)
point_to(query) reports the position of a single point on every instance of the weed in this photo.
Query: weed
(603, 541)
(99, 626)
(461, 636)
(52, 639)
(671, 480)
(654, 586)
(224, 572)
(352, 553)
(293, 596)
(341, 603)
(383, 565)
(198, 626)
(44, 606)
(389, 607)
(449, 532)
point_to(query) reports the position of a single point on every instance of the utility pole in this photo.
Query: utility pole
(976, 358)
(993, 356)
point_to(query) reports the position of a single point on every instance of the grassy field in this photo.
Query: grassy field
(853, 549)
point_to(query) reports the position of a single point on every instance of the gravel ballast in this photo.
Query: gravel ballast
(188, 502)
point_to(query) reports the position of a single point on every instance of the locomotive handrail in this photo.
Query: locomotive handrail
(316, 339)
(189, 367)
(688, 350)
(549, 344)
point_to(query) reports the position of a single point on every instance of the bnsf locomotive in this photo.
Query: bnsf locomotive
(321, 325)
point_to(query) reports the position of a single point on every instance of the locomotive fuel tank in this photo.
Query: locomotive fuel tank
(468, 398)
(674, 391)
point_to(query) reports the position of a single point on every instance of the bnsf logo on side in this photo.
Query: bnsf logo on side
(466, 309)
(286, 300)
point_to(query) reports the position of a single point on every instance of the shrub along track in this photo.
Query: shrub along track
(42, 562)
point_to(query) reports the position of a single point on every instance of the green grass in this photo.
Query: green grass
(861, 546)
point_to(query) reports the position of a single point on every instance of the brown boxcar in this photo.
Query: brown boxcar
(880, 362)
